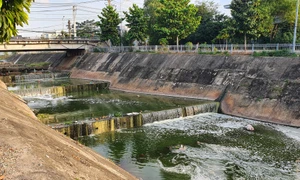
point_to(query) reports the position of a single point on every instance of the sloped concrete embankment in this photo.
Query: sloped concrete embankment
(53, 58)
(260, 88)
(31, 150)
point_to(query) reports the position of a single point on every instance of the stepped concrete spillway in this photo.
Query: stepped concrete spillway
(263, 88)
(31, 150)
(131, 120)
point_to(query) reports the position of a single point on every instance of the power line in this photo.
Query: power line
(37, 31)
(90, 7)
(51, 6)
(53, 10)
(41, 27)
(89, 11)
(71, 4)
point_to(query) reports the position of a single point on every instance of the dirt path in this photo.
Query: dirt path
(32, 150)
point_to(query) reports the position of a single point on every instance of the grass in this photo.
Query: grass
(226, 53)
(39, 65)
(280, 53)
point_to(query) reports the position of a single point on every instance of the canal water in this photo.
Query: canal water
(54, 103)
(205, 146)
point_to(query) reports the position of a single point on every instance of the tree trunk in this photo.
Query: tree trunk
(245, 41)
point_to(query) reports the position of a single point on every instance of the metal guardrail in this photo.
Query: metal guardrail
(52, 41)
(198, 48)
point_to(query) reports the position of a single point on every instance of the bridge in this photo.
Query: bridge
(71, 46)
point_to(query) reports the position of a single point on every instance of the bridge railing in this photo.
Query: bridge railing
(199, 48)
(53, 41)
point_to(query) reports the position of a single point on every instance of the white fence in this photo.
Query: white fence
(198, 48)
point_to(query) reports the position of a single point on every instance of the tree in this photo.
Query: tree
(63, 34)
(177, 19)
(126, 41)
(212, 22)
(246, 17)
(223, 35)
(137, 22)
(12, 15)
(87, 29)
(150, 10)
(281, 19)
(108, 24)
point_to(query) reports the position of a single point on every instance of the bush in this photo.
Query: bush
(189, 46)
(280, 53)
(163, 41)
(118, 114)
(39, 65)
(98, 50)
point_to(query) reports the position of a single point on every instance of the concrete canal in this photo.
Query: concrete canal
(194, 143)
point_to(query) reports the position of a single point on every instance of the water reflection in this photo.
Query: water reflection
(215, 147)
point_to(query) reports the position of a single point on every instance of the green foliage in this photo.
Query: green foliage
(283, 10)
(12, 14)
(137, 22)
(189, 45)
(39, 65)
(109, 21)
(212, 23)
(281, 53)
(43, 116)
(163, 41)
(177, 19)
(262, 21)
(98, 50)
(246, 18)
(87, 29)
(118, 114)
(150, 10)
(225, 34)
(126, 40)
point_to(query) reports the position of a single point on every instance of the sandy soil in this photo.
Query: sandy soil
(32, 150)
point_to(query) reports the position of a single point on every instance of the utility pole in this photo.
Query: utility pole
(295, 28)
(63, 23)
(109, 2)
(74, 20)
(121, 27)
(69, 28)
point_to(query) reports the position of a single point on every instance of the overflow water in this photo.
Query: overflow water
(205, 146)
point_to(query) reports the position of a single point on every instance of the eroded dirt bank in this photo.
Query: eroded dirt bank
(31, 150)
(264, 88)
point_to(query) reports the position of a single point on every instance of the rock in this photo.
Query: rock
(249, 127)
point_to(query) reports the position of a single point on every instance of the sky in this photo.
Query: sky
(53, 15)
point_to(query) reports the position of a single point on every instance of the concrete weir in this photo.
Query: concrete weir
(131, 120)
(31, 77)
(179, 112)
(59, 91)
(98, 126)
